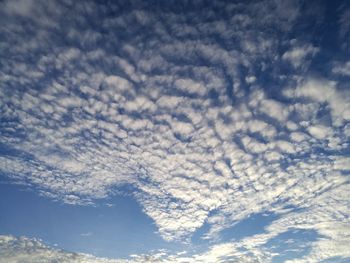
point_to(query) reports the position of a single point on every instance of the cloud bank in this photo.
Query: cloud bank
(208, 114)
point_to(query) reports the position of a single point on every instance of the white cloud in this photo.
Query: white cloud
(23, 249)
(190, 86)
(297, 55)
(97, 121)
(342, 163)
(250, 79)
(342, 69)
(320, 132)
(298, 136)
(274, 109)
(320, 90)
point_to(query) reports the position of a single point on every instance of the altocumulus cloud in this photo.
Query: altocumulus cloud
(210, 110)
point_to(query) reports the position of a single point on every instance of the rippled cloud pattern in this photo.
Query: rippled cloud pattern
(214, 113)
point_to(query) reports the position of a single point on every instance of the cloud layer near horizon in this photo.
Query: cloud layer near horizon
(209, 115)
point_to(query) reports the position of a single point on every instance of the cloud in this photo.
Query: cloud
(342, 69)
(157, 99)
(324, 91)
(19, 7)
(320, 131)
(24, 249)
(297, 55)
(274, 109)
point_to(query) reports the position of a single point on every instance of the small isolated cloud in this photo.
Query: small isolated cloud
(87, 234)
(298, 55)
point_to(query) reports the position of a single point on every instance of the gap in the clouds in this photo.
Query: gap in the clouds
(252, 225)
(323, 115)
(327, 33)
(200, 240)
(292, 244)
(114, 228)
(6, 150)
(197, 238)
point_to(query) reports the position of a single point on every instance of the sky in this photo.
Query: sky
(174, 131)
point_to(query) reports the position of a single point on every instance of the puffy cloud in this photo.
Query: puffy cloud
(320, 131)
(274, 109)
(298, 55)
(188, 85)
(324, 91)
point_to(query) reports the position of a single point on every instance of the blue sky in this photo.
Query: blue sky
(174, 131)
